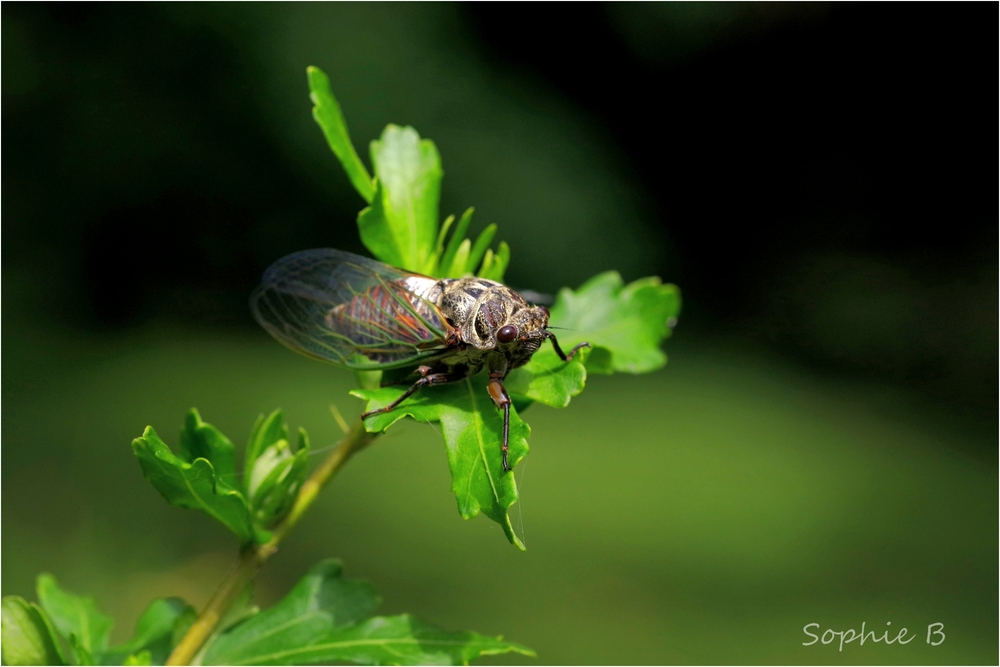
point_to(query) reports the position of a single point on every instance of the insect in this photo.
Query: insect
(361, 314)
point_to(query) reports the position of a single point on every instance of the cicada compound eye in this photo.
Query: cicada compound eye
(507, 333)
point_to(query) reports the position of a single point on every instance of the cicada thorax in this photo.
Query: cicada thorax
(478, 308)
(392, 319)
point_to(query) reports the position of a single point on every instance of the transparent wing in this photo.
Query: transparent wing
(349, 310)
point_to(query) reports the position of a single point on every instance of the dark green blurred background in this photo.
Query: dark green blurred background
(820, 180)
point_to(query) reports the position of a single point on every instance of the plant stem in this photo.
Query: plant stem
(253, 556)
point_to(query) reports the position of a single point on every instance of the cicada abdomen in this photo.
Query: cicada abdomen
(350, 311)
(393, 320)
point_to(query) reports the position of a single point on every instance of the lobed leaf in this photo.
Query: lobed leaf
(472, 429)
(322, 601)
(193, 485)
(26, 634)
(401, 225)
(626, 324)
(203, 441)
(548, 379)
(397, 640)
(325, 619)
(329, 117)
(75, 617)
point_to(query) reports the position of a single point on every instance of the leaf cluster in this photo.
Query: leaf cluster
(325, 618)
(67, 629)
(400, 223)
(203, 474)
(625, 324)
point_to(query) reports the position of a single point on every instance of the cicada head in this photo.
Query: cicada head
(523, 333)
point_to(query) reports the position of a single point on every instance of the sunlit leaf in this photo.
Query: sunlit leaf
(140, 658)
(83, 655)
(75, 617)
(322, 601)
(548, 379)
(276, 478)
(203, 441)
(27, 636)
(266, 432)
(479, 248)
(496, 269)
(628, 322)
(446, 259)
(459, 262)
(327, 113)
(324, 619)
(192, 485)
(401, 225)
(472, 428)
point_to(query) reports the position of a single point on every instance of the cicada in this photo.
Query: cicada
(360, 314)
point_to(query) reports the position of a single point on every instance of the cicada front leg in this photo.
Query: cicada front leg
(565, 357)
(427, 378)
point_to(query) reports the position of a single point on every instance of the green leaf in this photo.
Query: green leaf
(401, 225)
(472, 429)
(322, 620)
(193, 485)
(322, 601)
(327, 113)
(83, 655)
(503, 255)
(548, 379)
(404, 640)
(266, 431)
(479, 247)
(276, 478)
(446, 260)
(461, 259)
(203, 441)
(153, 636)
(442, 233)
(487, 266)
(76, 618)
(495, 269)
(140, 658)
(396, 640)
(26, 634)
(626, 324)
